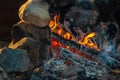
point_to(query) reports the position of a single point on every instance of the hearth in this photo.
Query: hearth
(62, 40)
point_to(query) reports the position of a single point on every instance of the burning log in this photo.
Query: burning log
(57, 28)
(62, 35)
(108, 57)
(73, 44)
(76, 54)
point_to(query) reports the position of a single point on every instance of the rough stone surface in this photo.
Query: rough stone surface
(3, 74)
(35, 12)
(14, 60)
(38, 40)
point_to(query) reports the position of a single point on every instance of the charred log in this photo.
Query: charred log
(73, 44)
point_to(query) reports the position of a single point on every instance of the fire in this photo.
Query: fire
(16, 45)
(66, 35)
(19, 43)
(86, 41)
(56, 28)
(53, 24)
(56, 46)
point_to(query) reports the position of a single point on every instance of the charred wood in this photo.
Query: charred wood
(73, 44)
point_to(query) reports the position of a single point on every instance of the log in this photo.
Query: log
(73, 44)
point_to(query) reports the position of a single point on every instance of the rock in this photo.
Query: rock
(13, 60)
(35, 12)
(3, 74)
(37, 43)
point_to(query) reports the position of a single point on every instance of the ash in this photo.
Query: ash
(79, 68)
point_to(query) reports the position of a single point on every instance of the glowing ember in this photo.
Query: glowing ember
(56, 28)
(56, 46)
(19, 43)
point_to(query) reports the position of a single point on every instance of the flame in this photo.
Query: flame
(14, 46)
(1, 50)
(19, 43)
(86, 41)
(56, 46)
(56, 28)
(53, 24)
(66, 35)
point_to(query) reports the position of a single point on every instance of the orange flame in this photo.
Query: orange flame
(17, 44)
(53, 24)
(56, 45)
(86, 41)
(56, 28)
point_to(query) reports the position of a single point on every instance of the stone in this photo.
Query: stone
(3, 74)
(14, 60)
(35, 12)
(37, 40)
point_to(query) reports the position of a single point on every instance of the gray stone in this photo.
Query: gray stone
(3, 74)
(14, 60)
(35, 12)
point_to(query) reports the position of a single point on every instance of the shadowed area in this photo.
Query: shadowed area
(8, 17)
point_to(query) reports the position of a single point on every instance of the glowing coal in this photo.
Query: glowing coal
(57, 28)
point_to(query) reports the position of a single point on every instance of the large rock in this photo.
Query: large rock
(37, 42)
(14, 60)
(35, 12)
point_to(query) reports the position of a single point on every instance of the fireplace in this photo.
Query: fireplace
(62, 40)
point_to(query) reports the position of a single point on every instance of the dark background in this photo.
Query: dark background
(8, 16)
(108, 10)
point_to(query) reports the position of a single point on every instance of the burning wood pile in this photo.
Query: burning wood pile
(61, 40)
